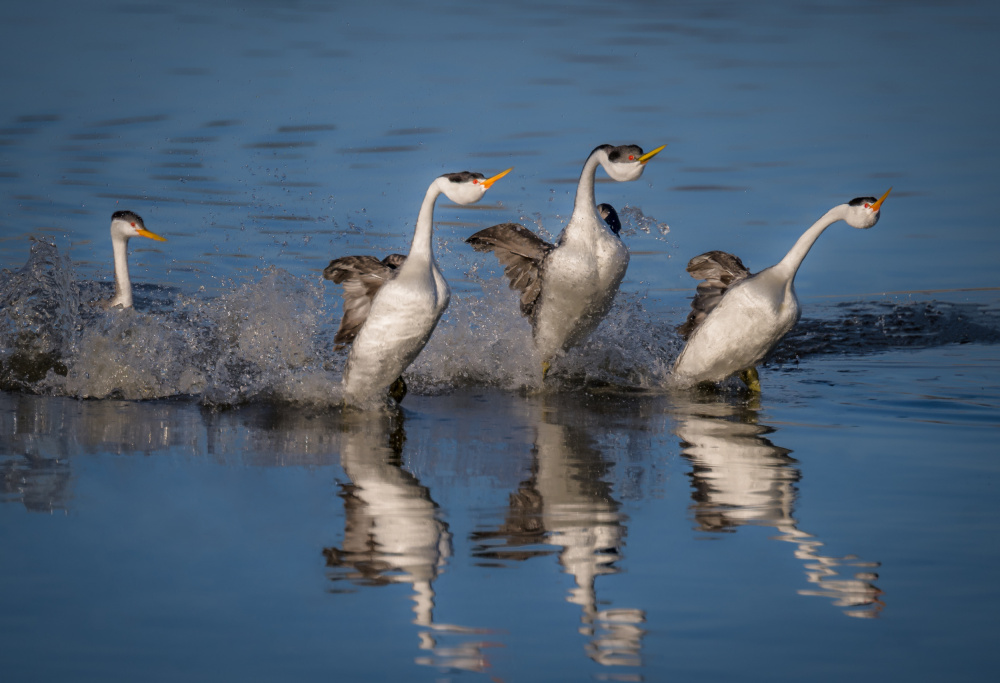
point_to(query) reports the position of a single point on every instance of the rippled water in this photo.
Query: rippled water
(563, 536)
(182, 497)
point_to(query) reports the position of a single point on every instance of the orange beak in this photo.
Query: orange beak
(489, 181)
(151, 235)
(876, 205)
(649, 155)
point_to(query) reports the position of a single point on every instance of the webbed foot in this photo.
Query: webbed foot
(751, 379)
(397, 390)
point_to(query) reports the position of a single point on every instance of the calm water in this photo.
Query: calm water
(184, 500)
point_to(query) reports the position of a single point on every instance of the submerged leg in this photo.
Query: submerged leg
(397, 390)
(545, 368)
(751, 379)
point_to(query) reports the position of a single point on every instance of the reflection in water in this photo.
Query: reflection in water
(34, 468)
(42, 434)
(740, 477)
(393, 533)
(567, 503)
(40, 483)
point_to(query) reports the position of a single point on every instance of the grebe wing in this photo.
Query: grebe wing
(361, 277)
(718, 271)
(521, 253)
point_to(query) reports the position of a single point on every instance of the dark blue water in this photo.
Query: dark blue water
(183, 499)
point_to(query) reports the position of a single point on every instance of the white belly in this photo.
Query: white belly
(400, 322)
(745, 327)
(579, 289)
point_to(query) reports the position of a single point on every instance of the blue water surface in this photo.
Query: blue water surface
(187, 502)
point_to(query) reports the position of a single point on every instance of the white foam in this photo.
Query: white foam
(269, 338)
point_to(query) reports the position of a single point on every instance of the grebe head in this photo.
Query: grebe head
(864, 212)
(128, 224)
(468, 187)
(626, 162)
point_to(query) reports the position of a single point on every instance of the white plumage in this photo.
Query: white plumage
(738, 318)
(392, 306)
(124, 226)
(567, 288)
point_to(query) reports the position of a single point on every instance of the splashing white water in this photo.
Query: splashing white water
(270, 339)
(479, 341)
(39, 301)
(634, 219)
(484, 340)
(261, 340)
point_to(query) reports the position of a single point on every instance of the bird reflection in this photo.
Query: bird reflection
(41, 484)
(42, 435)
(739, 477)
(394, 533)
(34, 461)
(567, 504)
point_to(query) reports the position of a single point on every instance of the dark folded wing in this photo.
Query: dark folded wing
(521, 253)
(361, 277)
(394, 260)
(718, 271)
(610, 216)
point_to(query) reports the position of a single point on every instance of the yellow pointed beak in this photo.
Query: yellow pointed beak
(649, 155)
(151, 235)
(878, 204)
(489, 181)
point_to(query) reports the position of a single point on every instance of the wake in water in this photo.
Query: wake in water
(870, 326)
(271, 340)
(39, 305)
(262, 340)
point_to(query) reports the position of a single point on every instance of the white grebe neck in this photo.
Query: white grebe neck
(585, 204)
(789, 265)
(422, 246)
(123, 284)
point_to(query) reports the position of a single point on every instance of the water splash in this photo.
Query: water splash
(262, 340)
(634, 219)
(269, 339)
(484, 341)
(38, 316)
(124, 354)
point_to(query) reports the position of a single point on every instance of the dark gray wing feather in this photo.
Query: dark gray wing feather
(521, 253)
(361, 277)
(394, 260)
(718, 271)
(610, 216)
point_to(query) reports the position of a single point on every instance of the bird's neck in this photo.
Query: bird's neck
(584, 221)
(585, 205)
(123, 285)
(793, 259)
(422, 247)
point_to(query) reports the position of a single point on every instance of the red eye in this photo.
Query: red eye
(475, 182)
(631, 157)
(132, 224)
(867, 205)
